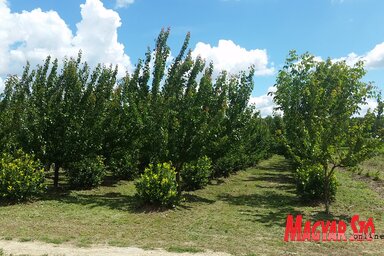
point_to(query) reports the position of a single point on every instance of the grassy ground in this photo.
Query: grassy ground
(373, 168)
(372, 173)
(243, 215)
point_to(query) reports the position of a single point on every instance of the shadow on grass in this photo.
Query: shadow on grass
(191, 198)
(269, 208)
(287, 187)
(275, 195)
(117, 201)
(110, 181)
(216, 181)
(112, 200)
(321, 215)
(281, 165)
(277, 177)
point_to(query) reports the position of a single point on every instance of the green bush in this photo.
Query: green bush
(310, 183)
(124, 166)
(86, 173)
(157, 185)
(224, 166)
(196, 174)
(20, 176)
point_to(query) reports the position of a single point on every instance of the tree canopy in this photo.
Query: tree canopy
(320, 101)
(165, 111)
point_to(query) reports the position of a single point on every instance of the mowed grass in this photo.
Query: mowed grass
(372, 172)
(374, 167)
(243, 215)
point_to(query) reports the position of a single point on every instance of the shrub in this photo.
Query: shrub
(196, 174)
(224, 166)
(310, 183)
(157, 185)
(124, 166)
(86, 173)
(20, 176)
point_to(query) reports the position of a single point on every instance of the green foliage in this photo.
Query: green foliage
(224, 166)
(20, 176)
(319, 100)
(378, 126)
(157, 185)
(164, 111)
(86, 173)
(196, 174)
(276, 128)
(310, 183)
(249, 145)
(376, 176)
(124, 167)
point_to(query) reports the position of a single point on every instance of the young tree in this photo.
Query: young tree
(319, 100)
(57, 115)
(166, 110)
(378, 127)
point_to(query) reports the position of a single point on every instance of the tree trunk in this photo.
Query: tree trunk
(178, 179)
(178, 183)
(178, 168)
(56, 176)
(326, 190)
(327, 205)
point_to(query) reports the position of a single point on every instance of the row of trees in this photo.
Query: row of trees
(178, 120)
(69, 116)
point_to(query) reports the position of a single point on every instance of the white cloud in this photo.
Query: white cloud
(123, 3)
(375, 57)
(1, 85)
(36, 34)
(97, 35)
(264, 103)
(372, 59)
(351, 59)
(371, 105)
(233, 58)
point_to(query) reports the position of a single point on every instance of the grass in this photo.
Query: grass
(25, 239)
(372, 172)
(374, 167)
(2, 253)
(183, 249)
(243, 215)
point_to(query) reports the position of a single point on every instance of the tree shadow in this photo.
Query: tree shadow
(110, 181)
(269, 208)
(111, 200)
(282, 165)
(118, 201)
(191, 198)
(322, 215)
(286, 187)
(216, 181)
(188, 198)
(276, 177)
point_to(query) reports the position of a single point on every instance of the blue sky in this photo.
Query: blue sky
(231, 33)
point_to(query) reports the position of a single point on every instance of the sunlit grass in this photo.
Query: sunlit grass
(243, 214)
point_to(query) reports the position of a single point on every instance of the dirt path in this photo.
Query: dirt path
(39, 248)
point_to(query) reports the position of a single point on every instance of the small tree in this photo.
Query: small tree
(378, 127)
(319, 100)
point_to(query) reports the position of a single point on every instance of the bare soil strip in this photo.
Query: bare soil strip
(39, 248)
